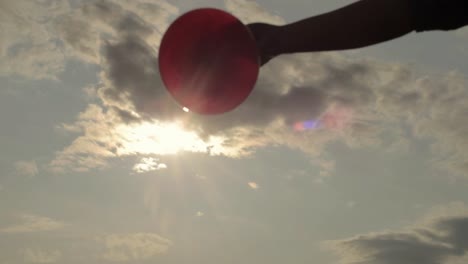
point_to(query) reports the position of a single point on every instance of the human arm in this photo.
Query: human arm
(360, 24)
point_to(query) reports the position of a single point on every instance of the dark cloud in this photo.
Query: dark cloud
(270, 101)
(128, 57)
(457, 233)
(133, 75)
(445, 239)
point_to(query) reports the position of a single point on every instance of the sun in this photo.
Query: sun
(154, 138)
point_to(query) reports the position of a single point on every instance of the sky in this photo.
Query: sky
(336, 157)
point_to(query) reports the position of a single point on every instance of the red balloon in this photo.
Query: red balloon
(208, 61)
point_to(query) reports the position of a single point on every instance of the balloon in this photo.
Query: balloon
(208, 61)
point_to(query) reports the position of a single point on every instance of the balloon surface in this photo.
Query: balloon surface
(208, 61)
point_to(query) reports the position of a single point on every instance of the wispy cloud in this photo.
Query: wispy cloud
(28, 47)
(133, 247)
(251, 12)
(41, 256)
(33, 223)
(26, 168)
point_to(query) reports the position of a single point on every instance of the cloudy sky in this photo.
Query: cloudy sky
(99, 165)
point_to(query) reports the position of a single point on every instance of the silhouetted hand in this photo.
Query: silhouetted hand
(266, 36)
(360, 24)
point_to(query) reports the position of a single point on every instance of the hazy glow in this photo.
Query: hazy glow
(186, 109)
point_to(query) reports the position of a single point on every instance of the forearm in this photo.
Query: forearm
(360, 24)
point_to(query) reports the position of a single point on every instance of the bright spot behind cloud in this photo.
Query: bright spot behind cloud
(162, 139)
(103, 139)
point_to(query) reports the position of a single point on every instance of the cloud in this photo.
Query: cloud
(41, 256)
(356, 101)
(250, 12)
(33, 223)
(96, 23)
(434, 107)
(132, 92)
(149, 164)
(133, 247)
(29, 45)
(441, 241)
(106, 137)
(26, 168)
(38, 37)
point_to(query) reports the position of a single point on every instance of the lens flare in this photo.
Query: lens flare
(334, 118)
(306, 125)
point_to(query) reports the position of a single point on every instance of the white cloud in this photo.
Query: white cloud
(148, 164)
(133, 247)
(26, 168)
(33, 223)
(41, 256)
